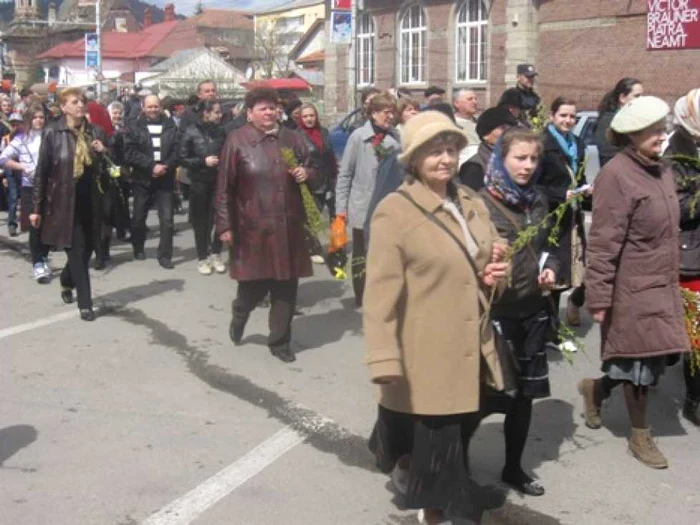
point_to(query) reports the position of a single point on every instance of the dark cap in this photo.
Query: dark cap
(527, 70)
(444, 108)
(494, 118)
(511, 98)
(434, 90)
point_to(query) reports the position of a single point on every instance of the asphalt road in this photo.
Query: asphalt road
(150, 416)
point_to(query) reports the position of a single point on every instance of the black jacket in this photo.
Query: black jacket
(606, 151)
(687, 176)
(238, 122)
(132, 109)
(523, 296)
(472, 172)
(197, 142)
(325, 161)
(138, 151)
(554, 182)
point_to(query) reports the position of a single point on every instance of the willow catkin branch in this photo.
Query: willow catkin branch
(314, 219)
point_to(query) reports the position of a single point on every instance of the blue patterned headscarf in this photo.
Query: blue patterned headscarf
(498, 181)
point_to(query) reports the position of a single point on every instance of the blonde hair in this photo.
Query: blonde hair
(71, 92)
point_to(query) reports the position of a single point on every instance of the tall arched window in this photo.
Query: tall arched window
(365, 50)
(412, 41)
(472, 29)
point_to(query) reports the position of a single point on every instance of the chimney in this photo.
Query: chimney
(169, 12)
(147, 17)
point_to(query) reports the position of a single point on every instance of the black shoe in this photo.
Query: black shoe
(140, 256)
(284, 354)
(691, 411)
(67, 295)
(235, 332)
(522, 483)
(99, 265)
(12, 230)
(166, 263)
(87, 314)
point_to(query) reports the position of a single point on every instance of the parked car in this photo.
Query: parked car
(339, 135)
(586, 122)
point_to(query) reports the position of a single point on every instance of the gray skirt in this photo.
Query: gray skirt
(640, 372)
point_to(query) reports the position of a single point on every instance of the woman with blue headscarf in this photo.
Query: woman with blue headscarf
(562, 173)
(521, 314)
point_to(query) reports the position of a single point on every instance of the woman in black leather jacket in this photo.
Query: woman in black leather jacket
(684, 153)
(200, 147)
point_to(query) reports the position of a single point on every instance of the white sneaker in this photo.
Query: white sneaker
(40, 274)
(317, 259)
(216, 263)
(204, 267)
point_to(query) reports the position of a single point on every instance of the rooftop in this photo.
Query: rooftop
(224, 19)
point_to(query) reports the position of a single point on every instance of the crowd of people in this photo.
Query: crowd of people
(466, 228)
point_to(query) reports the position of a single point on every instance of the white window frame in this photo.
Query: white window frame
(417, 34)
(466, 27)
(365, 59)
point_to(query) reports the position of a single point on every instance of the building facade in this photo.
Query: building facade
(579, 47)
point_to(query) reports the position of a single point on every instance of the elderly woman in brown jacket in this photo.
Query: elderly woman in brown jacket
(633, 268)
(260, 215)
(433, 259)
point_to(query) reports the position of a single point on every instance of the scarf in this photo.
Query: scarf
(82, 157)
(314, 133)
(500, 184)
(568, 145)
(687, 113)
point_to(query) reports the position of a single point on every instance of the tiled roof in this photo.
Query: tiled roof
(279, 83)
(223, 19)
(295, 4)
(158, 40)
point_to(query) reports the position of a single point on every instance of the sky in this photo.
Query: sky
(186, 7)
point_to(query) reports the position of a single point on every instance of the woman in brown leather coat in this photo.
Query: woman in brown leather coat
(260, 215)
(66, 194)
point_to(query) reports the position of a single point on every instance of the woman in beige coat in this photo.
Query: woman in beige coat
(633, 267)
(432, 261)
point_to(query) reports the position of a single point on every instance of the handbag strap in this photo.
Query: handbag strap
(460, 244)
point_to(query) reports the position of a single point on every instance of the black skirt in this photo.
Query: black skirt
(438, 447)
(527, 338)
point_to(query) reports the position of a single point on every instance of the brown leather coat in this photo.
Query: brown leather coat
(54, 184)
(633, 259)
(260, 203)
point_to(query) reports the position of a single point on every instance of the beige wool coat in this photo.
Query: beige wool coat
(422, 317)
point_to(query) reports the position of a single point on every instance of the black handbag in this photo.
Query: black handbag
(510, 367)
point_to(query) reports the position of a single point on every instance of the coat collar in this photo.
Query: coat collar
(429, 200)
(652, 167)
(62, 125)
(367, 132)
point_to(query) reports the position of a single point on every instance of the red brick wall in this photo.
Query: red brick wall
(586, 63)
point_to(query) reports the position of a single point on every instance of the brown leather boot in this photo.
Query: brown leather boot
(591, 411)
(643, 447)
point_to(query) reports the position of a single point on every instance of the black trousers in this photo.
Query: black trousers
(75, 273)
(37, 249)
(145, 197)
(358, 265)
(202, 218)
(283, 298)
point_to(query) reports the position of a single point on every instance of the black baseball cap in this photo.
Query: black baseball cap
(434, 90)
(527, 70)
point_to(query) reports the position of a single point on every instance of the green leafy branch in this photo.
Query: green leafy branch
(689, 182)
(691, 314)
(314, 220)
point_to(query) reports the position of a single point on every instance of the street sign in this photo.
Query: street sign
(673, 24)
(92, 51)
(342, 5)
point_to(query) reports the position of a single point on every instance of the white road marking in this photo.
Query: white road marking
(14, 330)
(187, 508)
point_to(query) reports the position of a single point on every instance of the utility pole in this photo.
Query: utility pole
(98, 31)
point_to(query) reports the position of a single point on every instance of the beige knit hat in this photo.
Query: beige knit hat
(424, 127)
(639, 114)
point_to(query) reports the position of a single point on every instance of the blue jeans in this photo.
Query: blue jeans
(13, 184)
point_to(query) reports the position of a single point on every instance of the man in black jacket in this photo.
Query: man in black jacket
(524, 91)
(150, 148)
(206, 90)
